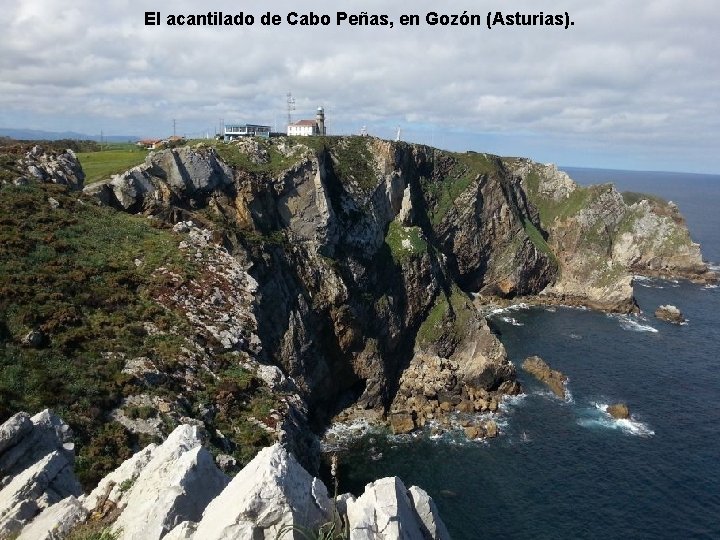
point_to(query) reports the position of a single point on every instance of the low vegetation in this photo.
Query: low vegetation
(447, 320)
(442, 191)
(404, 242)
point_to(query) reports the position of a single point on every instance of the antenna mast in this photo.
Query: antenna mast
(290, 107)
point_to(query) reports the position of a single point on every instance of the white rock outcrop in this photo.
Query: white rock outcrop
(384, 512)
(36, 460)
(272, 493)
(175, 491)
(177, 483)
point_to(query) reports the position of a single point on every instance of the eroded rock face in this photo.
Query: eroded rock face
(175, 485)
(670, 314)
(388, 510)
(554, 380)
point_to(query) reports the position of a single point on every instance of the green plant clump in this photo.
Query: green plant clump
(448, 318)
(404, 242)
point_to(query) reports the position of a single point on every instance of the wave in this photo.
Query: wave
(339, 435)
(715, 267)
(508, 309)
(597, 417)
(633, 323)
(512, 321)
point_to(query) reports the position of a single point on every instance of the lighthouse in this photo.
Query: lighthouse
(320, 121)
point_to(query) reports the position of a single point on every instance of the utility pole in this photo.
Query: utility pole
(173, 127)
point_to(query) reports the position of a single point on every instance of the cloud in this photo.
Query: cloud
(642, 76)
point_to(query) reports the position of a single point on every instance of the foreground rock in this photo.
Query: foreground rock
(272, 494)
(387, 509)
(176, 491)
(554, 380)
(36, 461)
(619, 411)
(670, 313)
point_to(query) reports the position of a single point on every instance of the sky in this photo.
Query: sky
(631, 85)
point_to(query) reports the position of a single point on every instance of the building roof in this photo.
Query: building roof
(304, 123)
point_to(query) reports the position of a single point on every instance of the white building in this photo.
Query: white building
(237, 131)
(304, 128)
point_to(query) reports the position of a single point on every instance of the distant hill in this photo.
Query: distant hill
(40, 135)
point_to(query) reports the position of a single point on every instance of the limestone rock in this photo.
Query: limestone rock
(55, 521)
(384, 511)
(619, 411)
(554, 380)
(433, 526)
(115, 485)
(43, 483)
(53, 167)
(670, 313)
(271, 492)
(36, 459)
(177, 483)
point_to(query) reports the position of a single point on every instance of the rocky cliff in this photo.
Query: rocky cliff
(260, 288)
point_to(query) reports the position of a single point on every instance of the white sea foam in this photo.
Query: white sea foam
(338, 435)
(508, 309)
(634, 323)
(574, 336)
(512, 321)
(597, 417)
(715, 267)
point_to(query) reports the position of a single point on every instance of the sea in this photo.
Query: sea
(564, 469)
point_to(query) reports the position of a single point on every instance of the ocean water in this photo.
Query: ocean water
(563, 468)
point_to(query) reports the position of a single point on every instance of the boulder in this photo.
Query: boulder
(402, 422)
(619, 411)
(670, 313)
(554, 380)
(271, 494)
(491, 429)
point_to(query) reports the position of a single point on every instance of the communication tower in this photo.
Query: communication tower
(290, 107)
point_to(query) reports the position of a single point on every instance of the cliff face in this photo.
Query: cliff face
(601, 237)
(364, 252)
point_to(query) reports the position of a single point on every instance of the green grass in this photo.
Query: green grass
(441, 193)
(232, 154)
(551, 209)
(448, 318)
(631, 197)
(404, 242)
(102, 165)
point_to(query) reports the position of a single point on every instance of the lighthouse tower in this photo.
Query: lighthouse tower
(320, 120)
